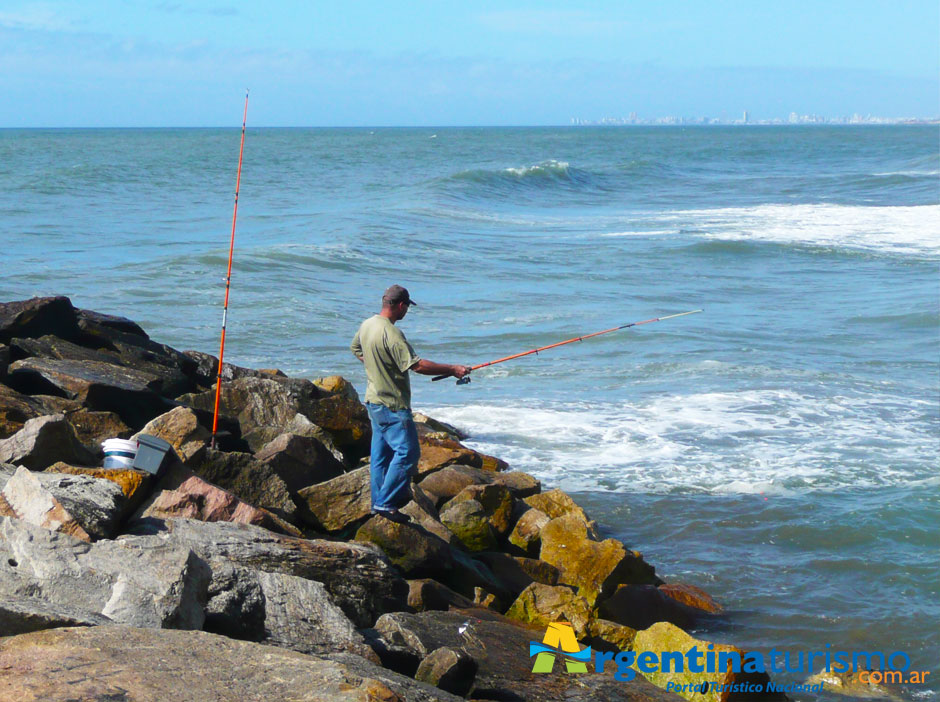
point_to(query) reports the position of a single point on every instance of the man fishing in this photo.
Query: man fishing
(388, 357)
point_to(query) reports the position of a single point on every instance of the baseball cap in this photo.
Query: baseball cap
(396, 294)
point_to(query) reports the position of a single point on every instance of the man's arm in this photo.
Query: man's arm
(425, 367)
(356, 347)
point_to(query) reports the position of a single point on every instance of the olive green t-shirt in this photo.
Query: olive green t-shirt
(387, 356)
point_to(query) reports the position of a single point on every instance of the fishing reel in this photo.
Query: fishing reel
(464, 381)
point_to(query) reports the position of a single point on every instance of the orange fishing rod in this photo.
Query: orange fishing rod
(228, 278)
(466, 378)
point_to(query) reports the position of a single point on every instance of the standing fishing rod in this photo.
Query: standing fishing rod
(228, 278)
(466, 378)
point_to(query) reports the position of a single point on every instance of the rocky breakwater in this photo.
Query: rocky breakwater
(254, 570)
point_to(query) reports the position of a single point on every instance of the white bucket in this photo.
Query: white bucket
(119, 453)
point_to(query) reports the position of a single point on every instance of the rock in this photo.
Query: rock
(136, 351)
(15, 409)
(21, 615)
(468, 521)
(496, 501)
(37, 317)
(347, 420)
(487, 600)
(641, 606)
(851, 685)
(79, 505)
(25, 499)
(610, 636)
(556, 503)
(518, 573)
(440, 453)
(337, 385)
(692, 596)
(181, 429)
(93, 428)
(449, 669)
(131, 394)
(444, 484)
(304, 427)
(134, 484)
(259, 401)
(207, 367)
(495, 643)
(42, 441)
(595, 568)
(414, 550)
(542, 604)
(300, 615)
(426, 593)
(435, 425)
(182, 493)
(357, 575)
(423, 512)
(526, 535)
(110, 321)
(340, 502)
(247, 479)
(664, 637)
(300, 461)
(143, 665)
(138, 582)
(4, 360)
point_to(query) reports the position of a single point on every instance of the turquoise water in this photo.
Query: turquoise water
(779, 449)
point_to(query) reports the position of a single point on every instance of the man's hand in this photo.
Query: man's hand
(461, 371)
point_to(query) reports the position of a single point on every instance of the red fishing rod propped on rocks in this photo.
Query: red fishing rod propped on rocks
(466, 379)
(228, 279)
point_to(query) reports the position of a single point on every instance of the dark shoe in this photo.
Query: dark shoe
(393, 515)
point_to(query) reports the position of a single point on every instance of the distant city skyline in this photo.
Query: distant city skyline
(427, 63)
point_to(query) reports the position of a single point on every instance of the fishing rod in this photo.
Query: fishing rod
(228, 278)
(466, 378)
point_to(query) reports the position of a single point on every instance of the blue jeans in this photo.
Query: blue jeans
(395, 453)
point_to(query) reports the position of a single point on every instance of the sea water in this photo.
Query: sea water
(779, 449)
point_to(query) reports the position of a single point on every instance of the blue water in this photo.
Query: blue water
(779, 449)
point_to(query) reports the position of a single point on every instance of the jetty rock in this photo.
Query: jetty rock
(254, 568)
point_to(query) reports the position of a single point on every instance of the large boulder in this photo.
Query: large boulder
(437, 453)
(299, 614)
(542, 604)
(144, 665)
(357, 575)
(4, 360)
(182, 493)
(611, 636)
(664, 637)
(181, 429)
(499, 647)
(37, 317)
(641, 606)
(79, 505)
(414, 550)
(134, 395)
(42, 441)
(469, 521)
(16, 409)
(519, 572)
(426, 593)
(526, 534)
(496, 501)
(246, 478)
(112, 321)
(595, 568)
(141, 583)
(450, 669)
(21, 614)
(134, 484)
(691, 596)
(300, 461)
(336, 504)
(556, 503)
(93, 428)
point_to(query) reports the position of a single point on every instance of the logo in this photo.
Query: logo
(559, 641)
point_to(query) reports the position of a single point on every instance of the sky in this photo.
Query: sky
(137, 63)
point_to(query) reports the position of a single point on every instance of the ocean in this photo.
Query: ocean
(780, 449)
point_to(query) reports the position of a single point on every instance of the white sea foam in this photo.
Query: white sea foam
(546, 167)
(904, 230)
(761, 441)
